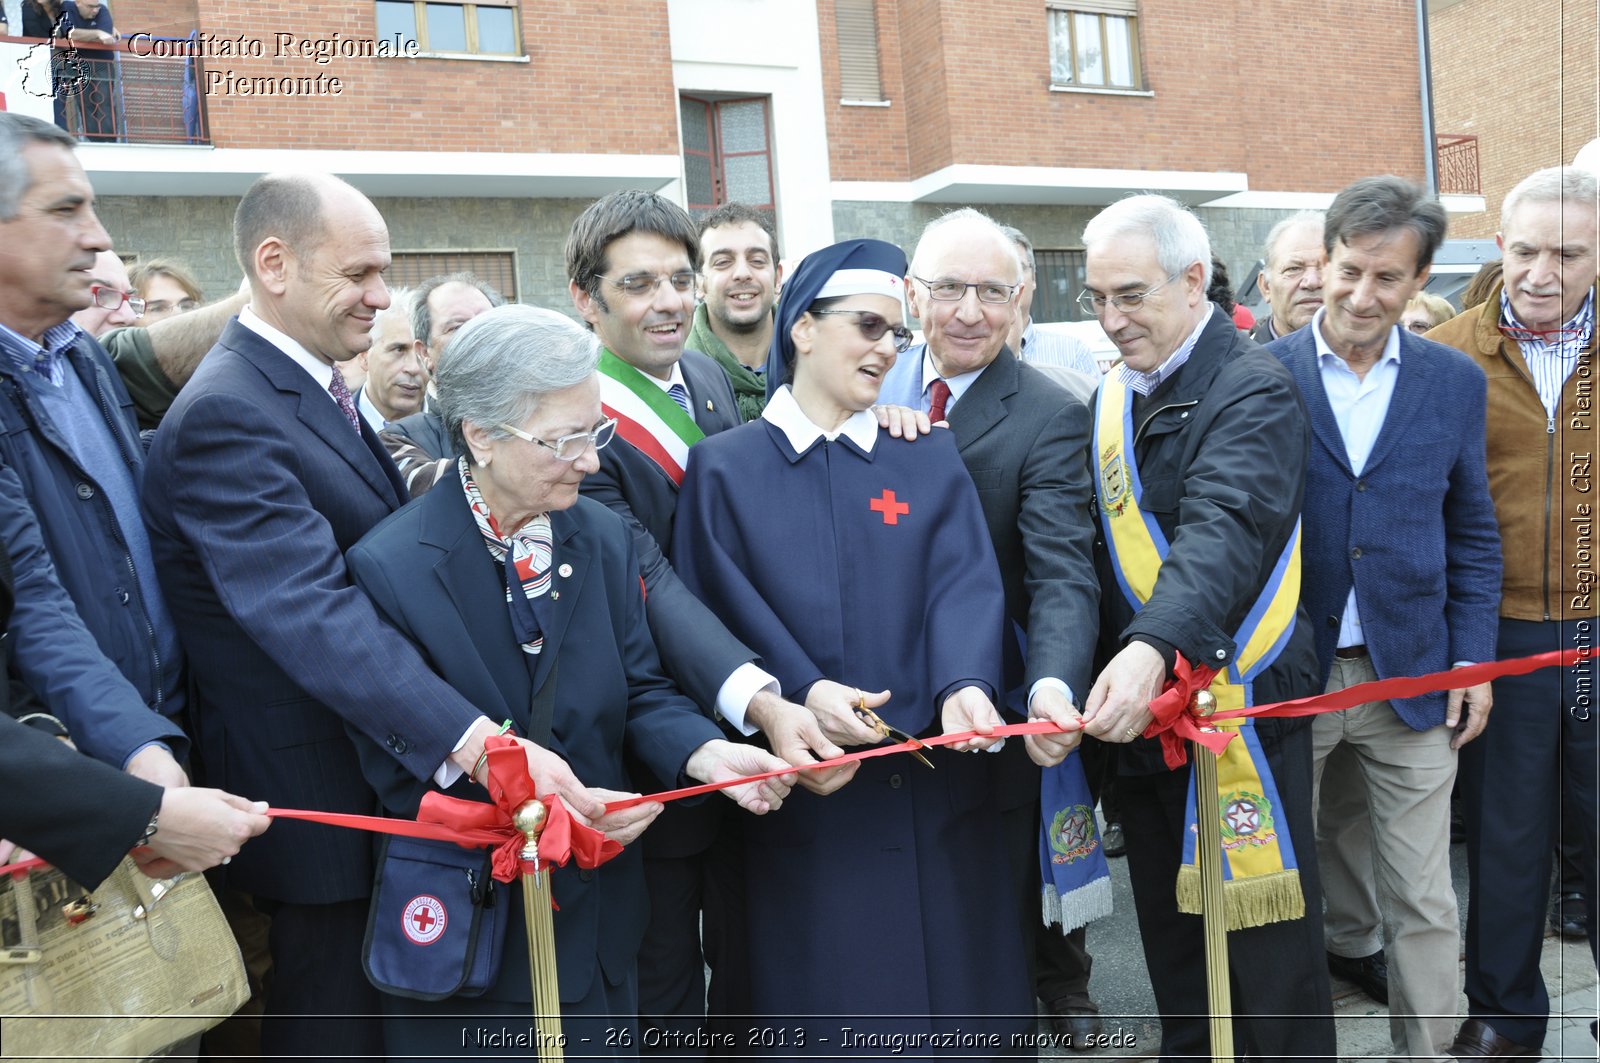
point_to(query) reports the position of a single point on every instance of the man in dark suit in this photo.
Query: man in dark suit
(1200, 472)
(1402, 576)
(1025, 442)
(630, 266)
(261, 476)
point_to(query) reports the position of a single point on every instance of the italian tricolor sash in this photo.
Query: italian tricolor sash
(646, 416)
(1261, 882)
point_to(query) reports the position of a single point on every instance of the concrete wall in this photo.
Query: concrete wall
(198, 232)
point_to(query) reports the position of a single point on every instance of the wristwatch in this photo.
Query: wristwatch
(150, 828)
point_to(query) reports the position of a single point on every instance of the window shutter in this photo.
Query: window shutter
(856, 27)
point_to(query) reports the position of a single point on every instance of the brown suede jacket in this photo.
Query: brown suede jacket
(1541, 472)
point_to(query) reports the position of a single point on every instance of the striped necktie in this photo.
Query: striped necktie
(680, 395)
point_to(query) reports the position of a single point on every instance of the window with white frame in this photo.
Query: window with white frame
(1094, 44)
(482, 27)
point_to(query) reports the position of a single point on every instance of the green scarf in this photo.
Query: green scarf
(749, 386)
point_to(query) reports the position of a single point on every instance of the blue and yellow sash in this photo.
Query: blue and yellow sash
(1260, 881)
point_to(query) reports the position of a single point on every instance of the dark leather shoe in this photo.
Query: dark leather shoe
(1569, 916)
(1076, 1028)
(1371, 973)
(1113, 841)
(1477, 1040)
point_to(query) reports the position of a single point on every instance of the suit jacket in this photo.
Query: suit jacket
(1415, 533)
(430, 576)
(79, 814)
(696, 648)
(255, 488)
(1025, 442)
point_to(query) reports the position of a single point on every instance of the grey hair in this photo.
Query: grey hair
(1269, 251)
(17, 131)
(1179, 236)
(1554, 184)
(1025, 245)
(399, 303)
(970, 214)
(422, 315)
(500, 364)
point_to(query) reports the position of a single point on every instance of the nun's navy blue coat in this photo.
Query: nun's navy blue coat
(889, 898)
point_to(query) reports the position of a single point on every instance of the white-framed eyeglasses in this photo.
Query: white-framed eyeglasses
(571, 448)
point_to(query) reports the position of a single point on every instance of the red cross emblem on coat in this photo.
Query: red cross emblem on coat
(891, 508)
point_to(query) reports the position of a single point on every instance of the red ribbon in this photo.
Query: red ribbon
(473, 823)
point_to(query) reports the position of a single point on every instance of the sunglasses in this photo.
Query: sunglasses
(873, 326)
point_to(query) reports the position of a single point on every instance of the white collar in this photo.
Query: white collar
(861, 427)
(958, 384)
(369, 411)
(320, 371)
(1391, 346)
(674, 377)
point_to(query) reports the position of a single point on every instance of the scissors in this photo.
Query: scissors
(876, 722)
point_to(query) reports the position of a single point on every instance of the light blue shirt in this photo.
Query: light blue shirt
(1145, 383)
(1360, 405)
(1057, 348)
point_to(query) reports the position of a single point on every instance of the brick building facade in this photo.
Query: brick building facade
(854, 117)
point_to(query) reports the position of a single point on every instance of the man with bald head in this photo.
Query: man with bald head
(1291, 278)
(262, 475)
(1025, 441)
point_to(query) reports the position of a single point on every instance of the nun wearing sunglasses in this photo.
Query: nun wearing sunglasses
(859, 567)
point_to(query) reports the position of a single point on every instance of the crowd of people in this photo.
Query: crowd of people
(313, 545)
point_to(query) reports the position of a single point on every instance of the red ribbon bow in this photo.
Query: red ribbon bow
(563, 838)
(1174, 723)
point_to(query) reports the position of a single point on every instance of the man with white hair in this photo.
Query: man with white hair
(396, 366)
(1534, 338)
(1200, 467)
(1291, 275)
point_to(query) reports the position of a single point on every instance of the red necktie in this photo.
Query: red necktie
(939, 395)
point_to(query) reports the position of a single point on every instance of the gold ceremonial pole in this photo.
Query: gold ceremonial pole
(1213, 911)
(536, 907)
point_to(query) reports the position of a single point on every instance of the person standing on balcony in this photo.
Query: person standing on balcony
(98, 101)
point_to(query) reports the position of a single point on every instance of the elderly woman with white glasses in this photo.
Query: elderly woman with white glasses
(526, 598)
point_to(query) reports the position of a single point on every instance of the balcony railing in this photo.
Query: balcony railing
(109, 94)
(1458, 165)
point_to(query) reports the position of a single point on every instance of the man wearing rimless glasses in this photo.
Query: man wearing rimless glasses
(1024, 440)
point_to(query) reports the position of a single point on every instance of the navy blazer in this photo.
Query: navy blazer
(695, 647)
(1415, 533)
(255, 488)
(429, 574)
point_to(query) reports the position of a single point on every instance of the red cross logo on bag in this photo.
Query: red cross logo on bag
(424, 920)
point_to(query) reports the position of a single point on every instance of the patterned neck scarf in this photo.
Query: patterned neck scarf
(529, 571)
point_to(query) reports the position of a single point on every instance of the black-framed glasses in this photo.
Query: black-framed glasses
(638, 285)
(1125, 302)
(108, 298)
(943, 291)
(873, 326)
(571, 448)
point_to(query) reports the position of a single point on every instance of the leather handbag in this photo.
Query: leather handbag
(131, 969)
